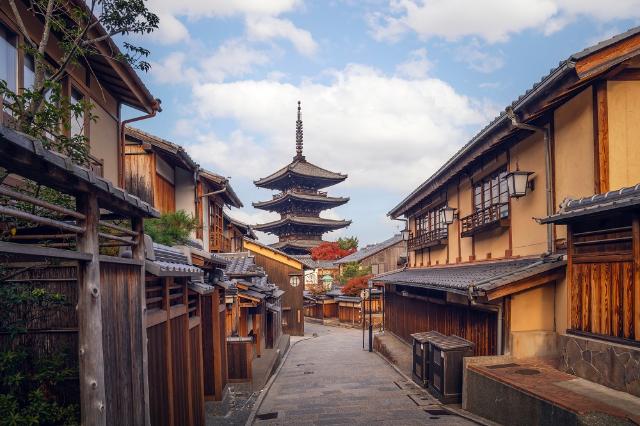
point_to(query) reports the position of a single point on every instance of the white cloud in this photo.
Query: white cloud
(208, 8)
(417, 66)
(491, 20)
(418, 123)
(263, 28)
(478, 59)
(233, 58)
(170, 30)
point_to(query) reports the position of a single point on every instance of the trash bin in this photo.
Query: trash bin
(445, 366)
(420, 370)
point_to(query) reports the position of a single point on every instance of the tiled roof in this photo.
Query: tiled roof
(315, 264)
(301, 168)
(554, 75)
(625, 198)
(320, 222)
(275, 250)
(241, 264)
(353, 299)
(297, 244)
(481, 276)
(296, 196)
(162, 144)
(370, 250)
(222, 182)
(168, 261)
(243, 226)
(63, 174)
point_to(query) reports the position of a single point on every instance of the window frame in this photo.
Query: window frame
(494, 185)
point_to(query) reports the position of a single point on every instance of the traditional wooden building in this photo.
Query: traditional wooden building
(386, 256)
(174, 333)
(300, 201)
(253, 311)
(288, 274)
(106, 83)
(480, 265)
(234, 232)
(213, 193)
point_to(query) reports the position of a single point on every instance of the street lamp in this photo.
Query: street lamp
(449, 214)
(518, 182)
(405, 233)
(370, 318)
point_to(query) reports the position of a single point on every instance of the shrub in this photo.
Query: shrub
(171, 228)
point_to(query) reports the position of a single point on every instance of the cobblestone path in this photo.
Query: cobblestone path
(330, 379)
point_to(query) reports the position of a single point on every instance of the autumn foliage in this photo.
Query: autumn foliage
(355, 285)
(330, 251)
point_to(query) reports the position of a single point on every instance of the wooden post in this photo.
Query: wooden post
(636, 276)
(91, 355)
(138, 251)
(217, 349)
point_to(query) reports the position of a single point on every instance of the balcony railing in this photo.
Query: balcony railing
(423, 239)
(494, 216)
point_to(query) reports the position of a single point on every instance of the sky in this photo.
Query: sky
(390, 89)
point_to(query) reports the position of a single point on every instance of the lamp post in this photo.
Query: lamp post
(370, 319)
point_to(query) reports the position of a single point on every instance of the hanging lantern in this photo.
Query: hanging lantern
(448, 214)
(517, 183)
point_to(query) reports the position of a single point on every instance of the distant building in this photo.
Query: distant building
(300, 201)
(383, 257)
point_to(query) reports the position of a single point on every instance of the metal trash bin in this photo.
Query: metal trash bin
(445, 366)
(420, 369)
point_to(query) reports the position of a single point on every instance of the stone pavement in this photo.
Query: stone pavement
(330, 379)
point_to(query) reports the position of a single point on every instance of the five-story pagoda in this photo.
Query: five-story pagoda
(300, 201)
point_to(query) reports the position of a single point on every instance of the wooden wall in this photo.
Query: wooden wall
(140, 169)
(176, 382)
(164, 195)
(388, 258)
(330, 310)
(407, 315)
(292, 297)
(239, 357)
(349, 312)
(603, 279)
(214, 347)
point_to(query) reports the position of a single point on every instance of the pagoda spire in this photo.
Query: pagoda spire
(299, 134)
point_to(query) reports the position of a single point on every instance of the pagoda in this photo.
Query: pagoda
(300, 201)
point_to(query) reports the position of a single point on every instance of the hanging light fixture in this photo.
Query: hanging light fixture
(406, 234)
(518, 182)
(449, 214)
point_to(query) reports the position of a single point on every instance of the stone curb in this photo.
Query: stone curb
(265, 390)
(457, 411)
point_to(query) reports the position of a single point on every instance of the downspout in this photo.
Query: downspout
(515, 122)
(155, 108)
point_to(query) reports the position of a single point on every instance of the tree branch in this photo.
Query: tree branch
(23, 28)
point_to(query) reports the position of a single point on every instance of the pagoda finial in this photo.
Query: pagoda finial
(299, 133)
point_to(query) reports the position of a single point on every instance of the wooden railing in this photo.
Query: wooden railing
(494, 216)
(428, 238)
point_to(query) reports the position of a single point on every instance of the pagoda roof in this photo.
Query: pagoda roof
(306, 221)
(288, 197)
(301, 245)
(300, 171)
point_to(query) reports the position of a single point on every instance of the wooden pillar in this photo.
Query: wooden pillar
(217, 349)
(91, 355)
(257, 330)
(138, 321)
(601, 137)
(636, 276)
(167, 283)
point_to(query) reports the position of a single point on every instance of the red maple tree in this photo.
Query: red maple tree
(330, 251)
(355, 285)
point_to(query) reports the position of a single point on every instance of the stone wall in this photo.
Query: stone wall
(609, 364)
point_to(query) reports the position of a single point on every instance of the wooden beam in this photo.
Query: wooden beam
(141, 390)
(608, 56)
(527, 283)
(601, 137)
(636, 276)
(168, 282)
(92, 382)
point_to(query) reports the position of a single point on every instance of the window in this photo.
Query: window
(8, 58)
(77, 123)
(430, 221)
(29, 72)
(492, 191)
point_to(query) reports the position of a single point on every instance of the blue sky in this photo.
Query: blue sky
(390, 89)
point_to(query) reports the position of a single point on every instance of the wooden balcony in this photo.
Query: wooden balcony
(494, 216)
(424, 239)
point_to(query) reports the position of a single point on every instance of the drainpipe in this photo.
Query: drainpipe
(499, 349)
(515, 122)
(155, 109)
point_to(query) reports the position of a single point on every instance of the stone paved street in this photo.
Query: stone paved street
(329, 379)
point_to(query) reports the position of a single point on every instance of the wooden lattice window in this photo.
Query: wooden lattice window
(216, 227)
(492, 191)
